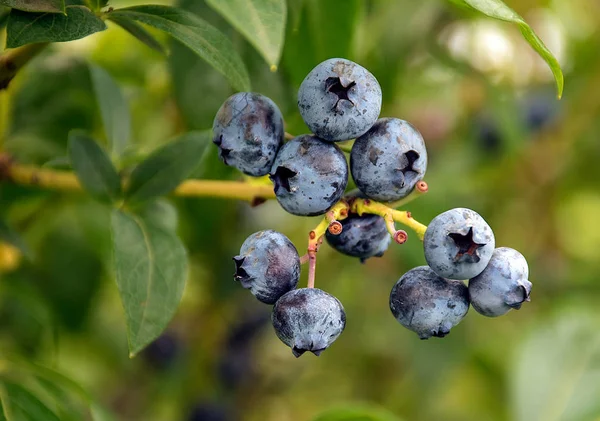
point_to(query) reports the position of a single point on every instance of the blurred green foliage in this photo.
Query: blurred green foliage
(499, 143)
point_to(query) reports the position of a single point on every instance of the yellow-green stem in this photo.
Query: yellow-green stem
(67, 181)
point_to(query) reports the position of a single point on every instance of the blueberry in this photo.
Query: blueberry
(502, 285)
(248, 129)
(387, 161)
(339, 100)
(310, 175)
(163, 351)
(308, 319)
(428, 304)
(268, 265)
(210, 411)
(362, 236)
(458, 244)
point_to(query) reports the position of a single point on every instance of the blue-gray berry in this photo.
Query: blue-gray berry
(428, 304)
(268, 265)
(308, 319)
(387, 161)
(310, 175)
(339, 100)
(458, 244)
(248, 129)
(503, 284)
(362, 236)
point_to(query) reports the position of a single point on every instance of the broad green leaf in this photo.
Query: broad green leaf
(166, 168)
(262, 22)
(19, 404)
(10, 236)
(114, 109)
(51, 6)
(26, 28)
(498, 10)
(556, 373)
(201, 37)
(150, 266)
(356, 413)
(139, 32)
(160, 212)
(93, 167)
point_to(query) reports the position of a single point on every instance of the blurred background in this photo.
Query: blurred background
(499, 142)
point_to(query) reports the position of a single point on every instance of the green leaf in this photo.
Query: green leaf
(18, 404)
(556, 375)
(262, 22)
(160, 212)
(139, 32)
(10, 236)
(357, 413)
(51, 6)
(93, 167)
(150, 266)
(26, 28)
(202, 38)
(498, 10)
(166, 168)
(114, 109)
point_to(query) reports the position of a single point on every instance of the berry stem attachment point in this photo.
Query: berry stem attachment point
(420, 189)
(288, 136)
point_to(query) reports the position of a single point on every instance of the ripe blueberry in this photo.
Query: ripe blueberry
(387, 161)
(362, 236)
(428, 304)
(268, 265)
(458, 244)
(339, 100)
(502, 285)
(248, 129)
(308, 319)
(310, 175)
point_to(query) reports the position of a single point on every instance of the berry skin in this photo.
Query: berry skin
(310, 175)
(268, 265)
(387, 161)
(248, 129)
(502, 285)
(339, 100)
(428, 304)
(458, 244)
(308, 319)
(362, 236)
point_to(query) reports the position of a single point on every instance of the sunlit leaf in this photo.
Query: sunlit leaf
(356, 413)
(498, 10)
(262, 22)
(201, 37)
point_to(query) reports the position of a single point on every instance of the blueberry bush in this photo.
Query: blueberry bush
(162, 163)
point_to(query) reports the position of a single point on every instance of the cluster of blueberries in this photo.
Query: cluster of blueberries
(339, 100)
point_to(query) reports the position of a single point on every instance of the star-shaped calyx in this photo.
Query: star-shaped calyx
(411, 157)
(335, 86)
(240, 274)
(281, 178)
(467, 247)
